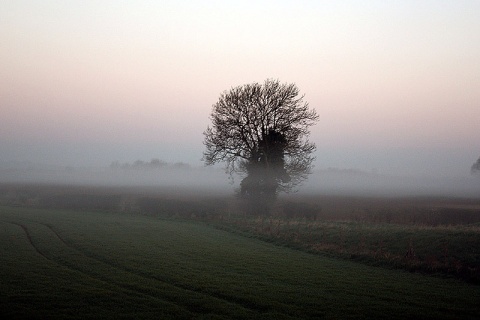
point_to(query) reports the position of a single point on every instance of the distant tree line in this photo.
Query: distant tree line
(476, 166)
(153, 164)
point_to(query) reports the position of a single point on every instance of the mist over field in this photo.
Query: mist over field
(333, 181)
(395, 86)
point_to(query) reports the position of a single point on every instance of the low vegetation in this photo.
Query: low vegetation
(447, 250)
(78, 252)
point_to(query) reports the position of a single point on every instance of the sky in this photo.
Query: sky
(396, 84)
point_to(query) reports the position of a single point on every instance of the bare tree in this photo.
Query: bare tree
(261, 131)
(476, 166)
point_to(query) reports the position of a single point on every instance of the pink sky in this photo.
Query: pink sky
(396, 84)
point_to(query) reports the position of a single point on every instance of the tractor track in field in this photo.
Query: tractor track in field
(126, 288)
(250, 305)
(247, 304)
(29, 237)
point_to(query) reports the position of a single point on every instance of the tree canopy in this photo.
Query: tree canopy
(262, 130)
(476, 166)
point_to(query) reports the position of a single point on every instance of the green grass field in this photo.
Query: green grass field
(80, 264)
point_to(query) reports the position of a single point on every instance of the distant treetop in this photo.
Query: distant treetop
(143, 165)
(476, 166)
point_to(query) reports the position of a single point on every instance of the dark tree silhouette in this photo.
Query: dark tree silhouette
(476, 166)
(261, 131)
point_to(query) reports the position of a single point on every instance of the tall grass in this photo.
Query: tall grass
(447, 250)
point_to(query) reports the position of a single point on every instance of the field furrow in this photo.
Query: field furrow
(137, 273)
(131, 281)
(112, 265)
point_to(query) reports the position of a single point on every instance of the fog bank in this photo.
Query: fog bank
(321, 181)
(356, 182)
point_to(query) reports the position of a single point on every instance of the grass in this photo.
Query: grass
(80, 264)
(448, 250)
